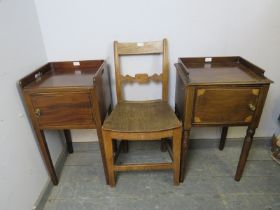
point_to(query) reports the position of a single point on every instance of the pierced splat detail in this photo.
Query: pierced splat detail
(142, 78)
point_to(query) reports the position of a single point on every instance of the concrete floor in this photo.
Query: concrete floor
(209, 183)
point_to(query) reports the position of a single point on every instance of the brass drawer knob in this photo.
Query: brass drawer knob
(252, 107)
(37, 112)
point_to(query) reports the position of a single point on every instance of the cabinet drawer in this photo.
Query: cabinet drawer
(54, 109)
(228, 106)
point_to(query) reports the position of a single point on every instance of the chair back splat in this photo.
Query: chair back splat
(141, 48)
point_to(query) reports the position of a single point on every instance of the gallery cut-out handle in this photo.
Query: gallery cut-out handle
(208, 60)
(37, 112)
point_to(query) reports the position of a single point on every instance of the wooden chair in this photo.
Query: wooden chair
(141, 120)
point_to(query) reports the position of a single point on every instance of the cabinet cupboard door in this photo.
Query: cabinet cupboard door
(218, 106)
(66, 109)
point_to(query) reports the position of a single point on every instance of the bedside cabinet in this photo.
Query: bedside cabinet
(67, 95)
(219, 91)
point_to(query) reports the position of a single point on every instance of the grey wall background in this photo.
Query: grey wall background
(86, 30)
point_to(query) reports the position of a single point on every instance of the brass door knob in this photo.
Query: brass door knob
(252, 107)
(37, 112)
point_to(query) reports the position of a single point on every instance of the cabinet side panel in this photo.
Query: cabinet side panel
(189, 106)
(103, 92)
(260, 105)
(179, 97)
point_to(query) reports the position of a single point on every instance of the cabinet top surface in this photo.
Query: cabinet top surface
(221, 70)
(63, 74)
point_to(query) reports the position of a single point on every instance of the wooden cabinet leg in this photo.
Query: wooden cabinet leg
(184, 153)
(176, 148)
(223, 137)
(124, 146)
(68, 139)
(163, 145)
(245, 152)
(46, 154)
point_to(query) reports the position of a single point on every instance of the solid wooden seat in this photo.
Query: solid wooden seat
(148, 120)
(141, 117)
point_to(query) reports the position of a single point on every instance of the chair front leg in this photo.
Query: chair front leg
(109, 156)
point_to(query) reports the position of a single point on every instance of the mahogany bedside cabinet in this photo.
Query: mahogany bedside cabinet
(219, 91)
(67, 95)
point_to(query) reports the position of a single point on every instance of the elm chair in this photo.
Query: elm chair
(141, 120)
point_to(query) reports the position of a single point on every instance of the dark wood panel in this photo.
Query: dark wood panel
(85, 64)
(225, 105)
(62, 108)
(180, 97)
